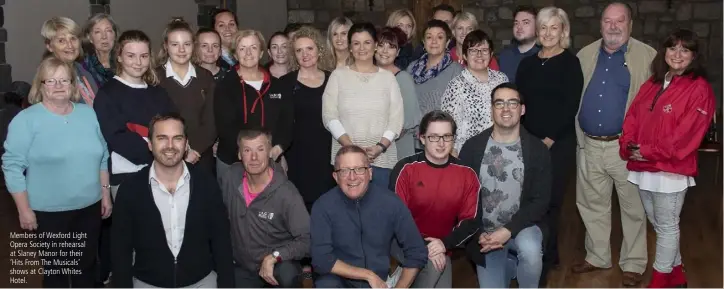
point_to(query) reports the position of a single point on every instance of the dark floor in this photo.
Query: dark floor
(701, 239)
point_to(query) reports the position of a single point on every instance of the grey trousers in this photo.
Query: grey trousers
(429, 277)
(208, 282)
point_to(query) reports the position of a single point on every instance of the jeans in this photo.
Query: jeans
(381, 177)
(663, 211)
(287, 274)
(529, 245)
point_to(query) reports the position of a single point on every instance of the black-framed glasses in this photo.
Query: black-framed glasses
(511, 103)
(357, 171)
(437, 138)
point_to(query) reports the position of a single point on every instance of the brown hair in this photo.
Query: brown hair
(48, 66)
(176, 24)
(150, 76)
(197, 51)
(688, 40)
(163, 117)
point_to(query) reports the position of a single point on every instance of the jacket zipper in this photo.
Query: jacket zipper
(174, 272)
(656, 98)
(361, 234)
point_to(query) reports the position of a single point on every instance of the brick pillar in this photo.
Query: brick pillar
(6, 78)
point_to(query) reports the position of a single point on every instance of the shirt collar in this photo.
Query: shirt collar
(184, 177)
(623, 49)
(189, 74)
(132, 85)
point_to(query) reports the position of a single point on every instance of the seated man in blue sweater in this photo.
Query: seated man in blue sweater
(353, 225)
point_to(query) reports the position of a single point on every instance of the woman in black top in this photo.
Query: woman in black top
(308, 157)
(208, 51)
(551, 82)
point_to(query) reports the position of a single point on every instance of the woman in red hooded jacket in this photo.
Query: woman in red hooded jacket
(662, 131)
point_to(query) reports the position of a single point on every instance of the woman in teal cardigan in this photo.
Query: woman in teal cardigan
(55, 168)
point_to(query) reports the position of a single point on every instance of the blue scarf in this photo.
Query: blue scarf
(420, 75)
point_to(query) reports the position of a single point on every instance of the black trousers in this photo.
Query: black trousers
(72, 266)
(287, 273)
(563, 162)
(104, 251)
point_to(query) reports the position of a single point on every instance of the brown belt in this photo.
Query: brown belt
(604, 138)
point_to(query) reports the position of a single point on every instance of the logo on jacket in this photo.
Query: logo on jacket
(667, 108)
(266, 215)
(275, 96)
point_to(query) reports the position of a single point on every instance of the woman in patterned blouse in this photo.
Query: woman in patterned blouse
(467, 97)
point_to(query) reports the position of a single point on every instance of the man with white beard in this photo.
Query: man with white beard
(523, 43)
(614, 68)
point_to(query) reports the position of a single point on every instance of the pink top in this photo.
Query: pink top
(248, 195)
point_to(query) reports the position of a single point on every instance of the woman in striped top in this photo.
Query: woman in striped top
(362, 105)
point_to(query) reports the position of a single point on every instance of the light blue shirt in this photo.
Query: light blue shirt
(61, 155)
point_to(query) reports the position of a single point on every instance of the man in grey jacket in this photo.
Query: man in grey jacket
(269, 222)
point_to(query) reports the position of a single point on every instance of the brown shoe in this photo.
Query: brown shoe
(585, 267)
(631, 279)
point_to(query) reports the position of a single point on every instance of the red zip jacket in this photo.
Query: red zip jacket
(669, 128)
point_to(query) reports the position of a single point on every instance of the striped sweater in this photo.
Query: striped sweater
(366, 107)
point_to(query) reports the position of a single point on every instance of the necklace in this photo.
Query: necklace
(544, 62)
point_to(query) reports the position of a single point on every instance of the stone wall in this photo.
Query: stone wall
(207, 8)
(653, 19)
(6, 78)
(320, 12)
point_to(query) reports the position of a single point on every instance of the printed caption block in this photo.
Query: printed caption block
(44, 253)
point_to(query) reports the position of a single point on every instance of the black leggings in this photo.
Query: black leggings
(63, 230)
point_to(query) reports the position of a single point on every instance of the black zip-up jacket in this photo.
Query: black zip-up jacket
(240, 106)
(534, 197)
(137, 226)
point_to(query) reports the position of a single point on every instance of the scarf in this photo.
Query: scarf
(418, 69)
(99, 72)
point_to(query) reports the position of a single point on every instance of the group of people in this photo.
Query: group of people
(199, 166)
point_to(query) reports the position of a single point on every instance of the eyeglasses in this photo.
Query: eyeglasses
(475, 51)
(436, 138)
(357, 171)
(53, 81)
(512, 103)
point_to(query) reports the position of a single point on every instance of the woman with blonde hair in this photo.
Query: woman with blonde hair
(126, 104)
(405, 21)
(100, 37)
(551, 81)
(191, 89)
(337, 41)
(249, 97)
(62, 40)
(55, 168)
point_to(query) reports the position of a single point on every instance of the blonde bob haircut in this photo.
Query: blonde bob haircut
(547, 14)
(399, 14)
(241, 34)
(464, 16)
(325, 56)
(57, 25)
(47, 67)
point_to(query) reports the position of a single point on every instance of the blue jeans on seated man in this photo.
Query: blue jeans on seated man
(529, 247)
(381, 176)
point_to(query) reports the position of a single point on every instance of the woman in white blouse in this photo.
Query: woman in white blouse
(362, 105)
(467, 97)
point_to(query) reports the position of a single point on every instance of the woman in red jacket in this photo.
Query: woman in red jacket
(662, 131)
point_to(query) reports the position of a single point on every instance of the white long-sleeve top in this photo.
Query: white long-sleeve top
(468, 100)
(366, 107)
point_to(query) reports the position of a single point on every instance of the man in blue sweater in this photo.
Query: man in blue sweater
(353, 225)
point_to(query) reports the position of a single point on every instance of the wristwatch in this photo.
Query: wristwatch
(277, 256)
(384, 148)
